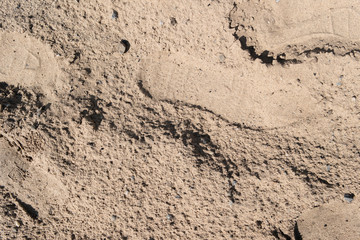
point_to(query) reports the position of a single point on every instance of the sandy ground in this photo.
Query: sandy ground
(206, 119)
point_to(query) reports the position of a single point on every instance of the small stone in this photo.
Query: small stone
(115, 15)
(349, 197)
(222, 58)
(51, 211)
(124, 46)
(18, 223)
(170, 217)
(173, 21)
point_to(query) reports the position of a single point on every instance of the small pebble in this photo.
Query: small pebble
(51, 211)
(340, 79)
(173, 21)
(17, 223)
(222, 58)
(124, 46)
(349, 197)
(115, 15)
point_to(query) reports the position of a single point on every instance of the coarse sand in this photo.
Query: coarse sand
(206, 119)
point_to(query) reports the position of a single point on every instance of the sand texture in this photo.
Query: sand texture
(208, 119)
(291, 28)
(334, 220)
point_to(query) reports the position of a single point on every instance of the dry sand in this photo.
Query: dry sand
(223, 120)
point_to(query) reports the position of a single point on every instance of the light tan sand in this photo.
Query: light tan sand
(333, 220)
(223, 120)
(291, 28)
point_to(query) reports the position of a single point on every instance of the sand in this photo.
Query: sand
(179, 119)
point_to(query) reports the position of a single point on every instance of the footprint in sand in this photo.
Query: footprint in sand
(31, 182)
(292, 27)
(334, 220)
(255, 98)
(27, 62)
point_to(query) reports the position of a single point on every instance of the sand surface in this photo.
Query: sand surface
(207, 119)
